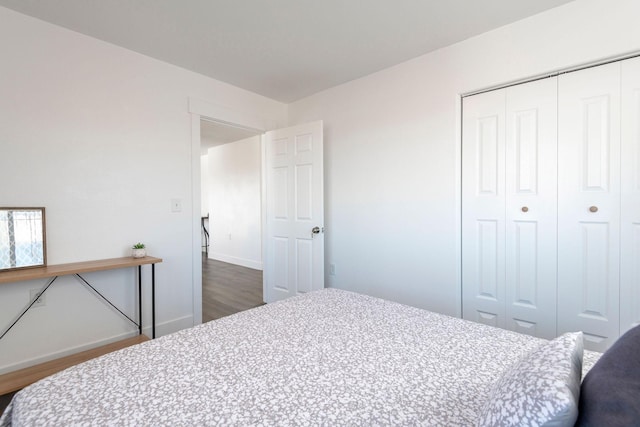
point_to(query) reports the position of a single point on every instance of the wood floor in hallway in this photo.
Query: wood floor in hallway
(228, 289)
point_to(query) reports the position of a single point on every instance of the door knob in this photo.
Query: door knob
(525, 209)
(593, 209)
(316, 230)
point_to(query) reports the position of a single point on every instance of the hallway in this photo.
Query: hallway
(228, 289)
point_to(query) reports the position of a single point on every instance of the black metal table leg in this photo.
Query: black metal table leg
(140, 299)
(153, 300)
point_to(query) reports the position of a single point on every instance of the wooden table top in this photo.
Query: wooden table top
(74, 268)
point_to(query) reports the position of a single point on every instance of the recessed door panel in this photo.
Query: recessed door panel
(594, 341)
(487, 152)
(280, 148)
(526, 143)
(280, 185)
(304, 143)
(304, 265)
(524, 327)
(593, 273)
(281, 270)
(595, 143)
(490, 319)
(487, 259)
(304, 185)
(526, 267)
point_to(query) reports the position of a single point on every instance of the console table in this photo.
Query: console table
(16, 380)
(54, 271)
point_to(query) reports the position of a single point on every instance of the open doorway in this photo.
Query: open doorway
(231, 232)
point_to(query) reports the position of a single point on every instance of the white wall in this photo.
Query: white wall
(392, 147)
(235, 201)
(101, 137)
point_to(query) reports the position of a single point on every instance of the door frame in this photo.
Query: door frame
(199, 110)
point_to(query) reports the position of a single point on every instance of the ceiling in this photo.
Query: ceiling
(213, 134)
(282, 49)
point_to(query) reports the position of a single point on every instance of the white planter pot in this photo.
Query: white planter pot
(139, 253)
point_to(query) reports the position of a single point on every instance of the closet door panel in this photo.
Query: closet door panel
(531, 207)
(630, 204)
(589, 204)
(483, 212)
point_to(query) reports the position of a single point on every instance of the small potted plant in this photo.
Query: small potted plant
(138, 250)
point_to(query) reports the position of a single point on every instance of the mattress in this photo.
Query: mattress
(329, 357)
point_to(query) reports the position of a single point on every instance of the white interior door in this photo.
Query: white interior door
(630, 204)
(531, 207)
(483, 208)
(589, 204)
(294, 244)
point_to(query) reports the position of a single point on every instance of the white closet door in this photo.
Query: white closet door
(531, 207)
(589, 204)
(483, 208)
(630, 209)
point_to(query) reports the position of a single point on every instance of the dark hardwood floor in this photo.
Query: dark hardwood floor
(228, 289)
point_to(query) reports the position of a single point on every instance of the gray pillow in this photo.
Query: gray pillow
(541, 389)
(610, 392)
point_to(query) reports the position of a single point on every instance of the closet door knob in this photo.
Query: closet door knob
(593, 209)
(525, 209)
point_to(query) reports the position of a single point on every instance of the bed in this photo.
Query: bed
(329, 357)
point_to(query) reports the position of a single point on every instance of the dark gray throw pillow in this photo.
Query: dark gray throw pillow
(610, 392)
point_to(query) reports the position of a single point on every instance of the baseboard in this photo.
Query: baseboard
(249, 263)
(163, 328)
(166, 328)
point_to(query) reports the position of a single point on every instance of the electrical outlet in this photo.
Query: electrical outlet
(332, 269)
(40, 299)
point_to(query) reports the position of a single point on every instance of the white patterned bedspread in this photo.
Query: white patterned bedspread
(326, 358)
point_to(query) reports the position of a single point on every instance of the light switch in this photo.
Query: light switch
(176, 205)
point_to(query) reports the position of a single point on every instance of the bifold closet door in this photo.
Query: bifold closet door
(531, 208)
(483, 208)
(589, 204)
(630, 204)
(509, 208)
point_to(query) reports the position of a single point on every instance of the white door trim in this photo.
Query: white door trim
(203, 110)
(196, 257)
(458, 199)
